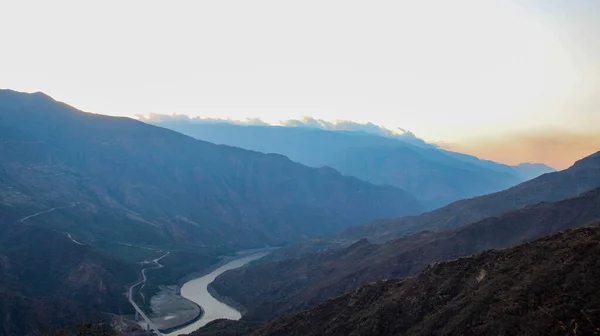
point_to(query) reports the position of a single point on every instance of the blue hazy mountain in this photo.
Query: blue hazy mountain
(435, 176)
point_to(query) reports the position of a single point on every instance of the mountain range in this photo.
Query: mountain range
(272, 289)
(171, 186)
(435, 176)
(113, 190)
(584, 175)
(86, 200)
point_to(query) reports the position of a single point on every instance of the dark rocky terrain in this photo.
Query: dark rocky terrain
(46, 279)
(89, 329)
(437, 177)
(547, 287)
(223, 327)
(270, 290)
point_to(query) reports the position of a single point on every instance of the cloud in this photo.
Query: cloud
(347, 125)
(556, 148)
(338, 125)
(158, 118)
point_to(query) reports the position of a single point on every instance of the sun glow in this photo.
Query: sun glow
(445, 70)
(480, 67)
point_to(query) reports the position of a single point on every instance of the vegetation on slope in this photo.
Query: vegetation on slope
(270, 290)
(548, 287)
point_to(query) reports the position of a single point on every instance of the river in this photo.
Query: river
(196, 290)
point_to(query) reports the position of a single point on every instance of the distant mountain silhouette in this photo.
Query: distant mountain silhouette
(437, 177)
(270, 290)
(548, 287)
(528, 171)
(584, 175)
(98, 184)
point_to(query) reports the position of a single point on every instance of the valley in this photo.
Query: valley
(300, 168)
(121, 188)
(196, 290)
(192, 306)
(273, 289)
(108, 218)
(148, 323)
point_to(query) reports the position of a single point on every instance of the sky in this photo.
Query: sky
(512, 81)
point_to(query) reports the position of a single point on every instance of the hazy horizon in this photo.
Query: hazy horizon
(370, 128)
(510, 81)
(268, 167)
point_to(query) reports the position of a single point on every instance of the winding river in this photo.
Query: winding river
(196, 290)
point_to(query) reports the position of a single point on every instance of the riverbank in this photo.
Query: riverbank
(224, 260)
(196, 290)
(171, 311)
(149, 323)
(227, 300)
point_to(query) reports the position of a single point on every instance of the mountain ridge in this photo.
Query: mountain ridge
(115, 190)
(543, 287)
(304, 282)
(119, 139)
(584, 175)
(426, 171)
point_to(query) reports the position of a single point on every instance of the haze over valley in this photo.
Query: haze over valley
(312, 168)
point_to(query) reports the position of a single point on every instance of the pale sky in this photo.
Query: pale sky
(459, 73)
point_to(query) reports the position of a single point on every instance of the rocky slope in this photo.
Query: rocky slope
(224, 327)
(47, 279)
(548, 287)
(274, 289)
(437, 177)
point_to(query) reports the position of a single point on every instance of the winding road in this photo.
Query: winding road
(143, 282)
(144, 278)
(74, 240)
(212, 308)
(47, 211)
(73, 204)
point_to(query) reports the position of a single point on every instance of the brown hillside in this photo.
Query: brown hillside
(274, 289)
(537, 288)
